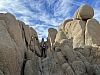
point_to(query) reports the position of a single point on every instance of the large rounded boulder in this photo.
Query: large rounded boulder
(84, 12)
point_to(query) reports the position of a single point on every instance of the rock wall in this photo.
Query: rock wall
(76, 47)
(73, 49)
(16, 40)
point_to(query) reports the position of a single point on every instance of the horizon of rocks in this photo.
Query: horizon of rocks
(73, 49)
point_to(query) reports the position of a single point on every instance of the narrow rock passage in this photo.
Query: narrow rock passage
(46, 65)
(50, 65)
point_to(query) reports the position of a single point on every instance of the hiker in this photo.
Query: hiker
(43, 46)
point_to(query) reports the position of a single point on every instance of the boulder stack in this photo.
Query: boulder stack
(76, 46)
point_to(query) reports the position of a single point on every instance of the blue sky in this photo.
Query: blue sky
(44, 14)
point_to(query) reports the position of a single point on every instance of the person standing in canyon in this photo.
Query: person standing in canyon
(43, 50)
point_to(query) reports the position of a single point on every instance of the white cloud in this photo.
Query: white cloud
(12, 6)
(62, 7)
(27, 10)
(50, 2)
(77, 3)
(96, 7)
(41, 30)
(97, 14)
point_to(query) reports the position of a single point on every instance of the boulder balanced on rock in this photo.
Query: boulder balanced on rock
(84, 12)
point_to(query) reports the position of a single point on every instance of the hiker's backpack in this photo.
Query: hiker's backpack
(43, 45)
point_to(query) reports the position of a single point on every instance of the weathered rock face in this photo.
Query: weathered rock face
(62, 26)
(15, 39)
(74, 49)
(91, 32)
(25, 30)
(75, 30)
(8, 52)
(28, 68)
(60, 35)
(52, 35)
